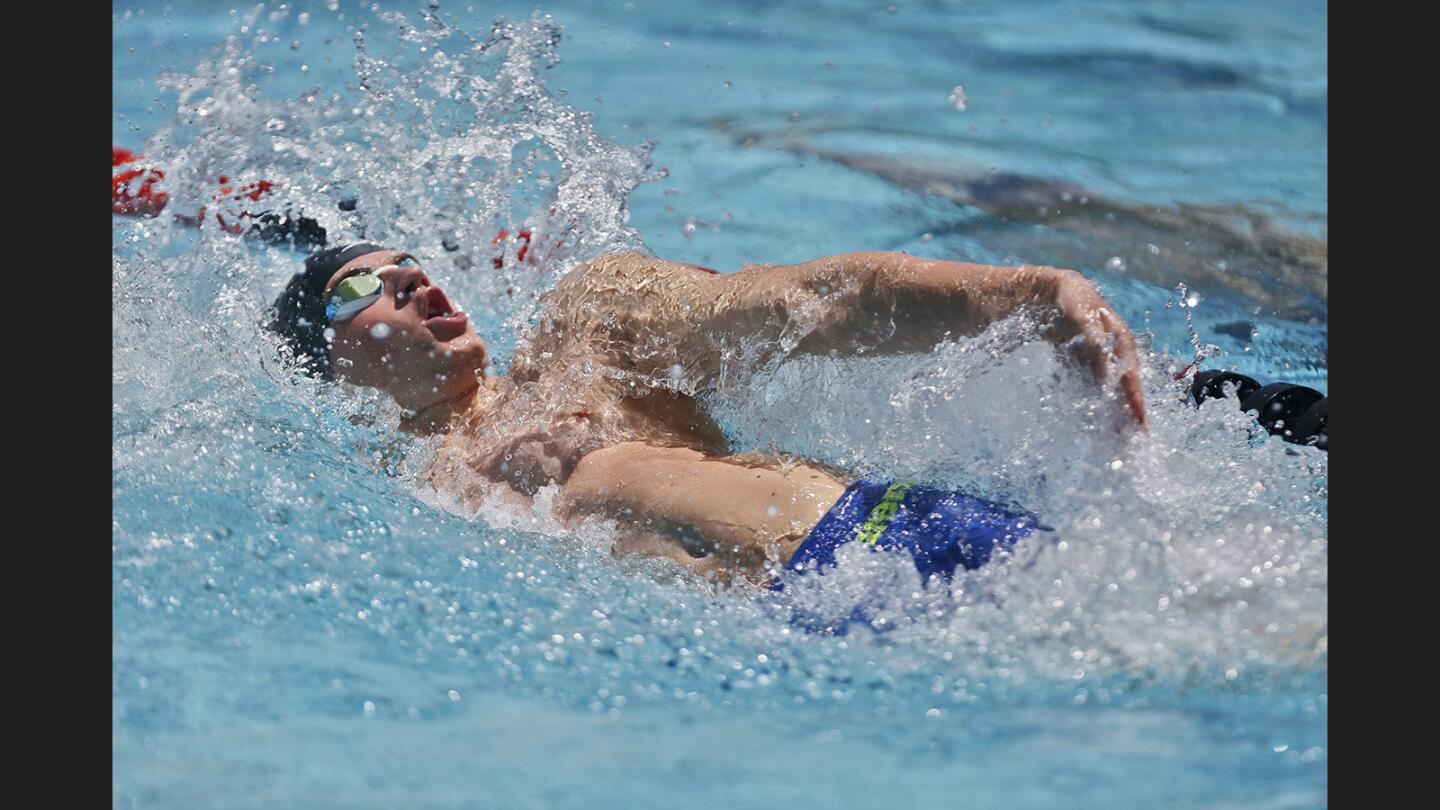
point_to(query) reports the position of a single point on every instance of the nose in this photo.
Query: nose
(405, 280)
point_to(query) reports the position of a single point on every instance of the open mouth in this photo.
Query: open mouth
(440, 316)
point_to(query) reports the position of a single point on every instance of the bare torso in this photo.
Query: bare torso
(599, 400)
(601, 396)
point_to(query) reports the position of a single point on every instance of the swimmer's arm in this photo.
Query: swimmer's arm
(856, 303)
(582, 498)
(716, 515)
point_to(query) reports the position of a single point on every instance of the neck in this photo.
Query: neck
(437, 416)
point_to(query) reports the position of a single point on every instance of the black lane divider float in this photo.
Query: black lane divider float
(1295, 413)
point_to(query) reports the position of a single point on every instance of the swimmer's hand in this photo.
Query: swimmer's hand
(1099, 338)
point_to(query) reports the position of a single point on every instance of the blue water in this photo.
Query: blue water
(299, 624)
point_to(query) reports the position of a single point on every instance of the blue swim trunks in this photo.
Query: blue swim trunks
(941, 530)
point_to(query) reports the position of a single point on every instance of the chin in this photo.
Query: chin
(465, 362)
(471, 349)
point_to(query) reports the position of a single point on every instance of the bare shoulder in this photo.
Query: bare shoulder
(610, 265)
(618, 260)
(625, 268)
(627, 286)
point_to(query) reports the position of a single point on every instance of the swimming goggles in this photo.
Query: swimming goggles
(352, 295)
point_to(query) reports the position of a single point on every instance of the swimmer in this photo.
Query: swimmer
(586, 405)
(591, 401)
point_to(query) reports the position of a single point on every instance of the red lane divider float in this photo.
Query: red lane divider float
(134, 191)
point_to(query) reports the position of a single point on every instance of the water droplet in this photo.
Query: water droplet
(1115, 265)
(958, 99)
(454, 696)
(380, 331)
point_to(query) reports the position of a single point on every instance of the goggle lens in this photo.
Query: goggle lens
(352, 295)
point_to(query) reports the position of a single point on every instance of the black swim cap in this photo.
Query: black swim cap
(298, 314)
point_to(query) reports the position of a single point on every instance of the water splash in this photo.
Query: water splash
(1187, 300)
(441, 139)
(1198, 545)
(251, 498)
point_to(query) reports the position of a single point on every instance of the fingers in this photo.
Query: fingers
(1128, 360)
(1106, 342)
(1109, 344)
(1134, 399)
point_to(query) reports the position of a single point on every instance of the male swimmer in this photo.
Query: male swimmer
(585, 405)
(583, 408)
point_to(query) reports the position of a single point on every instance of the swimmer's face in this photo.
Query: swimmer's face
(412, 342)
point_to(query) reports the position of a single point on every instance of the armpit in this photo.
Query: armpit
(536, 460)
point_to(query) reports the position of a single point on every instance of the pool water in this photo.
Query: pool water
(298, 622)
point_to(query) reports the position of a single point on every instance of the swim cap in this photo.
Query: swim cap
(298, 314)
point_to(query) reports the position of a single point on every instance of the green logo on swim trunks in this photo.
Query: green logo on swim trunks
(869, 532)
